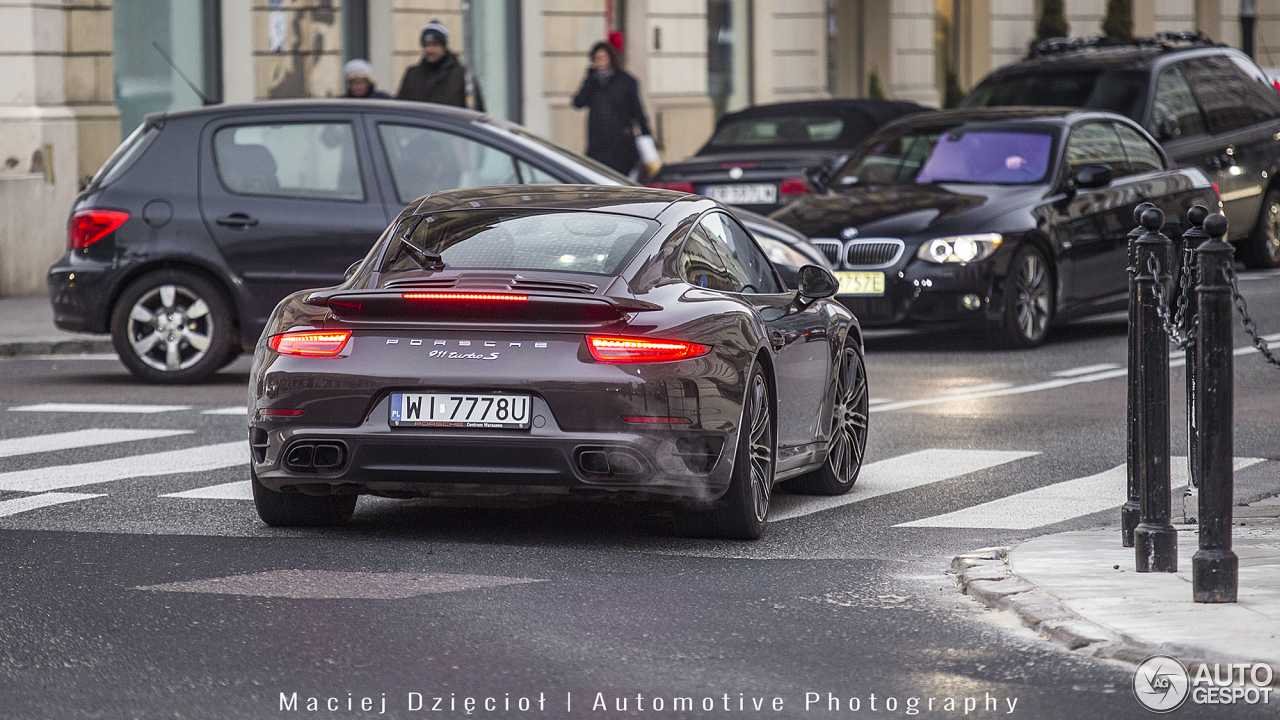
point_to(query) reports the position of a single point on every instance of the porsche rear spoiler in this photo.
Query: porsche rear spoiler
(485, 307)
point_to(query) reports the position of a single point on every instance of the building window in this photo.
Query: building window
(729, 55)
(165, 57)
(497, 57)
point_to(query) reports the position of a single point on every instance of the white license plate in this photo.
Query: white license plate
(861, 283)
(745, 194)
(461, 410)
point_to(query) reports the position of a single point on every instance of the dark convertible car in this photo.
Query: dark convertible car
(1008, 218)
(600, 342)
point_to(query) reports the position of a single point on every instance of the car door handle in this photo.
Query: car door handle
(237, 221)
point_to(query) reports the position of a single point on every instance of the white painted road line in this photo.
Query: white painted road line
(98, 408)
(895, 475)
(977, 388)
(1086, 370)
(233, 410)
(238, 490)
(172, 462)
(1056, 503)
(77, 439)
(35, 502)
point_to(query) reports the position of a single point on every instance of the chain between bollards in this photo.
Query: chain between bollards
(1214, 567)
(1155, 540)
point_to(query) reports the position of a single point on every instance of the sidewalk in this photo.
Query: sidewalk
(1080, 589)
(26, 328)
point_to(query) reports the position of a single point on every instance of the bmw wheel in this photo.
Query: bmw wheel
(740, 513)
(1028, 299)
(295, 509)
(1262, 249)
(173, 326)
(848, 431)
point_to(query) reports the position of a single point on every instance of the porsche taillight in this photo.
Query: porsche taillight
(89, 226)
(625, 350)
(311, 343)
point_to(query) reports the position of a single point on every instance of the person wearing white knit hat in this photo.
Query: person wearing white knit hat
(359, 77)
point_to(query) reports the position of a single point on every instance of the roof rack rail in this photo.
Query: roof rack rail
(1166, 40)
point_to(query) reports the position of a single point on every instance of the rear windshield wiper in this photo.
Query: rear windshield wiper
(422, 258)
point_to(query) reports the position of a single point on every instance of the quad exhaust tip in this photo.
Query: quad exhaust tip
(315, 457)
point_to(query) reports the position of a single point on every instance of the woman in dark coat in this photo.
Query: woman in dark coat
(612, 98)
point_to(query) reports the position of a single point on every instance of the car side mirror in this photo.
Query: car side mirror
(1168, 129)
(1093, 176)
(351, 270)
(814, 283)
(818, 177)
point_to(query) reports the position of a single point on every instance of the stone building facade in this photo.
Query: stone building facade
(77, 75)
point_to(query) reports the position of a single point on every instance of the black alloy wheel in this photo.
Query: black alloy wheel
(848, 431)
(1262, 249)
(1028, 299)
(741, 512)
(173, 326)
(295, 509)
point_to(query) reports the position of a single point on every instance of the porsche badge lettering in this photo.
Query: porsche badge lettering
(439, 348)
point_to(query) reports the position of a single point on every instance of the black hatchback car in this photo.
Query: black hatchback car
(758, 158)
(1007, 217)
(202, 220)
(1209, 106)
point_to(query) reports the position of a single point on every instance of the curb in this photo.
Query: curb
(14, 348)
(985, 575)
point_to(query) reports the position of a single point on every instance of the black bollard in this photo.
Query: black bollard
(1215, 568)
(1129, 512)
(1192, 239)
(1155, 540)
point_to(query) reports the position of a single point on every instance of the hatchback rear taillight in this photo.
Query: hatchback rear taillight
(625, 350)
(793, 186)
(311, 343)
(89, 226)
(677, 186)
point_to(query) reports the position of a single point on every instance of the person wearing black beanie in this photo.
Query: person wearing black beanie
(439, 77)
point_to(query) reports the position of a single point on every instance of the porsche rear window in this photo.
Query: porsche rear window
(569, 241)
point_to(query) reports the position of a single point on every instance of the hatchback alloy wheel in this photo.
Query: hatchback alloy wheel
(173, 326)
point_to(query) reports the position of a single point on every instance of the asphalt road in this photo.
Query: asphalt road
(139, 583)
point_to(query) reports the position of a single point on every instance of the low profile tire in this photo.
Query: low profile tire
(173, 326)
(1029, 299)
(279, 509)
(741, 512)
(848, 431)
(1262, 249)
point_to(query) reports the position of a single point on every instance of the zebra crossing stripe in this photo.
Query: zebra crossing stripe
(34, 502)
(77, 439)
(895, 475)
(233, 410)
(98, 408)
(238, 490)
(172, 462)
(1055, 503)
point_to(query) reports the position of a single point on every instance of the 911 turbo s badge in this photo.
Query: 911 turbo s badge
(439, 348)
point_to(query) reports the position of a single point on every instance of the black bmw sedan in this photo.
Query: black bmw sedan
(203, 219)
(758, 158)
(621, 343)
(1009, 219)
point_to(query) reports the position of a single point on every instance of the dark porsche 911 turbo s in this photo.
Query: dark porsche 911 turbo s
(585, 340)
(757, 158)
(1008, 218)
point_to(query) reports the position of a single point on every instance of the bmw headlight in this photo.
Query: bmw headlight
(960, 248)
(781, 253)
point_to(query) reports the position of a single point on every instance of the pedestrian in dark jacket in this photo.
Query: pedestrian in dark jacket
(359, 76)
(440, 77)
(614, 114)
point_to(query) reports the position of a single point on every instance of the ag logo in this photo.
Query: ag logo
(1161, 683)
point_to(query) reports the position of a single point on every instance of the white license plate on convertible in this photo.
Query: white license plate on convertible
(460, 410)
(744, 194)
